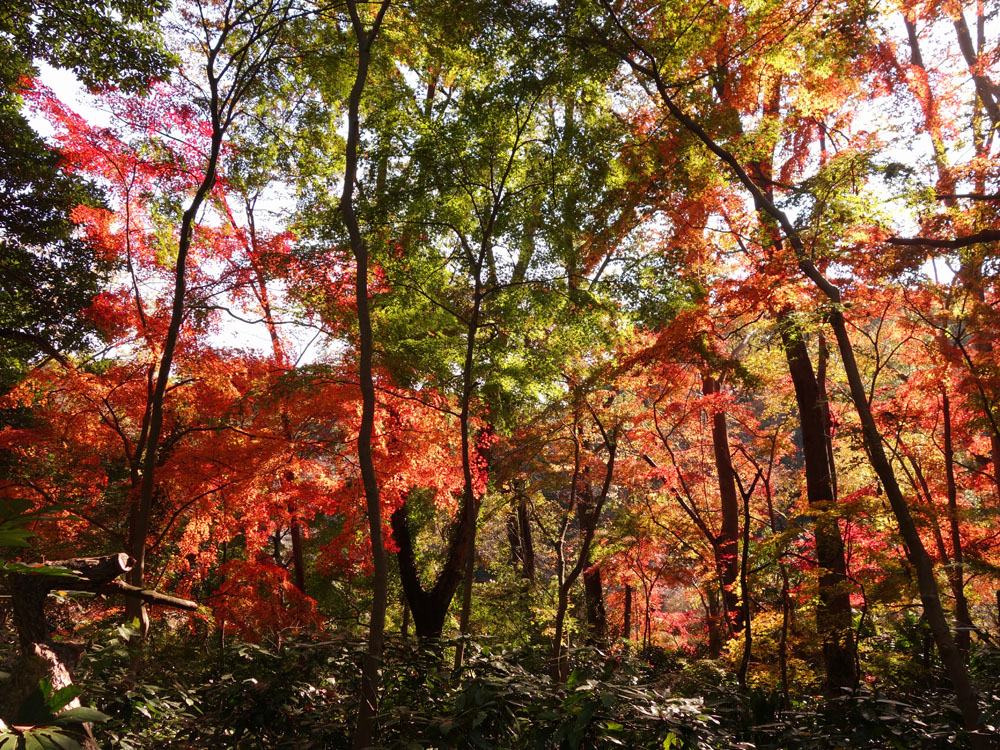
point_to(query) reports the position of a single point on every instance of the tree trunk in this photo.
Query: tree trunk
(463, 621)
(589, 510)
(833, 613)
(364, 731)
(745, 591)
(560, 656)
(956, 572)
(142, 506)
(514, 539)
(930, 597)
(527, 545)
(715, 622)
(522, 549)
(727, 539)
(429, 607)
(627, 614)
(597, 619)
(298, 563)
(927, 584)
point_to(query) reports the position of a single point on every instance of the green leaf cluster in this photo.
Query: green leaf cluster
(44, 723)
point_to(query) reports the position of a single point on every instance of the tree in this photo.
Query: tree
(239, 44)
(642, 59)
(47, 276)
(368, 705)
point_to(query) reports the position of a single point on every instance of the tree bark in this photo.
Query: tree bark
(463, 621)
(597, 619)
(429, 607)
(298, 562)
(627, 613)
(522, 547)
(527, 544)
(716, 626)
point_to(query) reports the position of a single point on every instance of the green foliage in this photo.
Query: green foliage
(114, 41)
(44, 723)
(503, 699)
(916, 716)
(15, 517)
(47, 274)
(301, 695)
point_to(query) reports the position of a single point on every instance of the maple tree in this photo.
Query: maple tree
(664, 329)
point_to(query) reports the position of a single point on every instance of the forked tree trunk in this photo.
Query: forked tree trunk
(833, 613)
(429, 607)
(727, 541)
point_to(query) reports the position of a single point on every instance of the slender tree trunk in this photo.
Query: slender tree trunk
(589, 513)
(514, 538)
(824, 400)
(298, 561)
(727, 538)
(228, 81)
(365, 728)
(926, 582)
(745, 590)
(715, 622)
(597, 620)
(956, 572)
(786, 602)
(560, 656)
(527, 545)
(593, 588)
(142, 507)
(627, 613)
(786, 608)
(430, 608)
(647, 622)
(463, 622)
